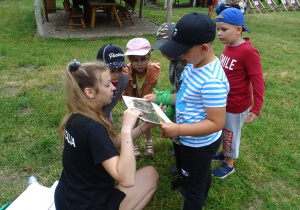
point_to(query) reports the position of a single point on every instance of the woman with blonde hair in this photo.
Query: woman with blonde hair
(92, 164)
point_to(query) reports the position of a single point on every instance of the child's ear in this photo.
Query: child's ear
(204, 48)
(239, 30)
(89, 92)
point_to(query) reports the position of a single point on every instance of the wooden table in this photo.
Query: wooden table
(110, 6)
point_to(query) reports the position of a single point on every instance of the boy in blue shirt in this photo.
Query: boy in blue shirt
(200, 104)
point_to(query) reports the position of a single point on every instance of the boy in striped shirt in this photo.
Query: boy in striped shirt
(200, 104)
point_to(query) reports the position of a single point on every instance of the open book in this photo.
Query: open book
(151, 111)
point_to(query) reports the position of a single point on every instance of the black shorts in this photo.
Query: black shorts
(115, 199)
(209, 2)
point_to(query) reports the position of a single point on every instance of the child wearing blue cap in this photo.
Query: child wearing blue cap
(242, 66)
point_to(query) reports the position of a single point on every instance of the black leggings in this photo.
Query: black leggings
(196, 173)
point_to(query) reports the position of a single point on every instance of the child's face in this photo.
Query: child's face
(193, 56)
(116, 74)
(139, 63)
(183, 62)
(227, 33)
(105, 94)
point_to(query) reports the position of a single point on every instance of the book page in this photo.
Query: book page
(151, 111)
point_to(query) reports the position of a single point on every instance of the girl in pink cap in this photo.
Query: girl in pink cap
(143, 77)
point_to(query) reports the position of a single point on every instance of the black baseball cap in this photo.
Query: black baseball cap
(192, 29)
(113, 55)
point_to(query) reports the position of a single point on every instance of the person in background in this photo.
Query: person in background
(92, 164)
(242, 65)
(143, 76)
(210, 5)
(113, 55)
(200, 104)
(238, 4)
(223, 5)
(241, 5)
(164, 33)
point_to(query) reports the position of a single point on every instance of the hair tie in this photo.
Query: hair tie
(75, 65)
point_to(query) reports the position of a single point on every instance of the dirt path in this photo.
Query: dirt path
(58, 27)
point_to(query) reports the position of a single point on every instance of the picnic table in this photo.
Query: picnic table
(110, 6)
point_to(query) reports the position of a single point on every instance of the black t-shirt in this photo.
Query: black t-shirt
(84, 183)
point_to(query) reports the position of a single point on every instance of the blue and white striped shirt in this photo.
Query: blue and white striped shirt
(202, 87)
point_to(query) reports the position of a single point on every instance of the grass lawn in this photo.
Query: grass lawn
(32, 105)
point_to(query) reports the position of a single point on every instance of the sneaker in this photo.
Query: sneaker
(136, 150)
(174, 171)
(219, 156)
(149, 151)
(223, 171)
(176, 183)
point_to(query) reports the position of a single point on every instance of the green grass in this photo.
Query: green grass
(32, 105)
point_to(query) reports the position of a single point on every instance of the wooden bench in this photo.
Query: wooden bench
(124, 14)
(73, 13)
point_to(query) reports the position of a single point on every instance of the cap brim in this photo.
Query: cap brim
(117, 65)
(173, 49)
(157, 45)
(139, 52)
(246, 29)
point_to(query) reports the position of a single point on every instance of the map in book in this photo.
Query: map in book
(151, 111)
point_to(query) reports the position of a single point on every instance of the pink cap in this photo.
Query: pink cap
(138, 46)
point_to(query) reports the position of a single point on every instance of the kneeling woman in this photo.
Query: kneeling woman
(91, 161)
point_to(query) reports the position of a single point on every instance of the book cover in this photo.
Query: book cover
(151, 111)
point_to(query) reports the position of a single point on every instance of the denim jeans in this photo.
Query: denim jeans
(196, 173)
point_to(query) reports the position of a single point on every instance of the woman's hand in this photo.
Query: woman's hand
(129, 119)
(150, 97)
(147, 125)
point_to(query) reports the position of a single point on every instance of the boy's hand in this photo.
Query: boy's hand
(163, 108)
(169, 130)
(151, 97)
(250, 117)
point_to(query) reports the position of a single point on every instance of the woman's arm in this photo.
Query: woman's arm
(122, 168)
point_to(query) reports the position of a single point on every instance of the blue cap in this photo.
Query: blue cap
(233, 16)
